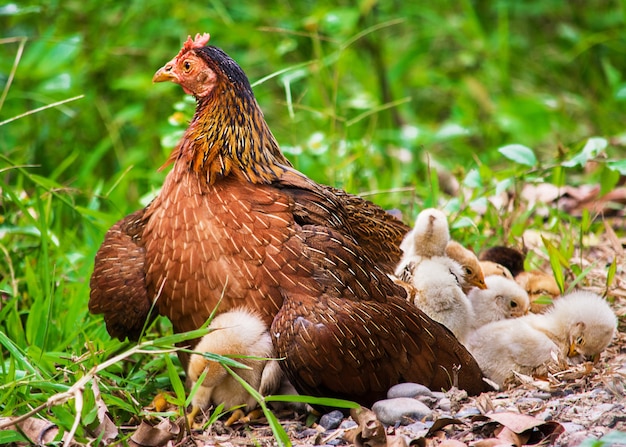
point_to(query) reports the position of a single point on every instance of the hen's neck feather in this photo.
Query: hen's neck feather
(229, 136)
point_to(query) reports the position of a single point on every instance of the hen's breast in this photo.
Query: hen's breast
(229, 241)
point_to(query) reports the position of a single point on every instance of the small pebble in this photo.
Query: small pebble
(546, 415)
(571, 427)
(541, 395)
(418, 429)
(331, 420)
(529, 401)
(444, 404)
(348, 424)
(469, 411)
(400, 409)
(306, 433)
(600, 410)
(408, 390)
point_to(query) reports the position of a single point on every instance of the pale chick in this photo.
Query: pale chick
(503, 298)
(472, 272)
(493, 268)
(541, 288)
(439, 294)
(239, 332)
(578, 327)
(429, 237)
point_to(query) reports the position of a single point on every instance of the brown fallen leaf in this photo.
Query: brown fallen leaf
(530, 430)
(39, 431)
(149, 436)
(371, 432)
(491, 442)
(106, 430)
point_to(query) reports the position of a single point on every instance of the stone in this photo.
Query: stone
(401, 410)
(331, 420)
(408, 389)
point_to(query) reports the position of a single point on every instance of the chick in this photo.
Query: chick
(238, 332)
(511, 258)
(503, 298)
(538, 285)
(428, 238)
(438, 283)
(473, 273)
(578, 327)
(493, 268)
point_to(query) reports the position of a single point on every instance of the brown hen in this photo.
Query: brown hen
(235, 222)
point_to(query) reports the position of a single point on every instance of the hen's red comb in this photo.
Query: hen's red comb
(200, 41)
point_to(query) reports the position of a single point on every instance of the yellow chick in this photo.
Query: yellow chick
(473, 273)
(578, 327)
(538, 284)
(428, 238)
(237, 332)
(491, 268)
(439, 294)
(503, 298)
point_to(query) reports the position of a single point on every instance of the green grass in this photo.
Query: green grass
(376, 99)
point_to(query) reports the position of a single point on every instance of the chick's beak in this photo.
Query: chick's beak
(572, 350)
(165, 73)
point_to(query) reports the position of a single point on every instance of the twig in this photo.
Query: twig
(76, 389)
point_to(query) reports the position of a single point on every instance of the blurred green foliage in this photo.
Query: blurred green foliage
(375, 97)
(359, 91)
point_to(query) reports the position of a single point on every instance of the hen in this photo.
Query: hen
(235, 224)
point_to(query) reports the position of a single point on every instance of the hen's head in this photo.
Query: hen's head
(198, 68)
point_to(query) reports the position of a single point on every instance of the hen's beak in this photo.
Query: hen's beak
(165, 73)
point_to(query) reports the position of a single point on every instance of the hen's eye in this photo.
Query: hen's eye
(580, 341)
(187, 65)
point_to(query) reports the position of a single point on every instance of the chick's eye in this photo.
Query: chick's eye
(468, 271)
(580, 341)
(513, 304)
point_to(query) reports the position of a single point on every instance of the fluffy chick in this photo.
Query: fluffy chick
(237, 332)
(493, 268)
(503, 298)
(473, 273)
(538, 285)
(438, 282)
(510, 257)
(428, 238)
(578, 327)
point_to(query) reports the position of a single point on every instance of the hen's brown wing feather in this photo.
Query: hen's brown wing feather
(118, 282)
(357, 344)
(374, 230)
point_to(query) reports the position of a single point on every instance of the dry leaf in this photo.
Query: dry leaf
(441, 423)
(39, 431)
(106, 430)
(372, 431)
(452, 443)
(149, 436)
(534, 429)
(490, 442)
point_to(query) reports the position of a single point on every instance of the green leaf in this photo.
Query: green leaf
(611, 274)
(593, 148)
(617, 165)
(556, 262)
(519, 153)
(312, 400)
